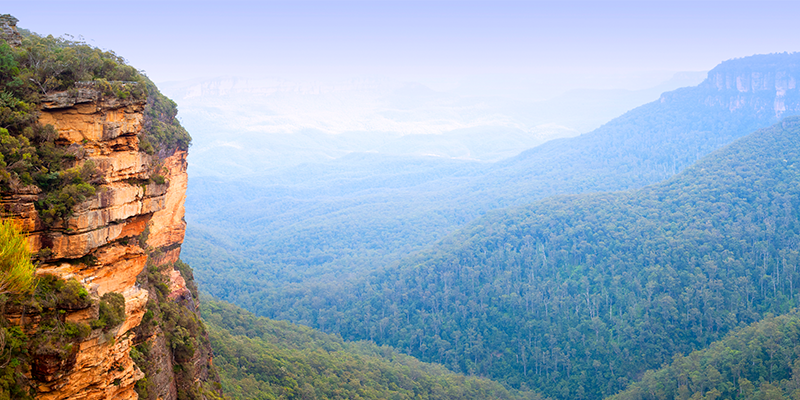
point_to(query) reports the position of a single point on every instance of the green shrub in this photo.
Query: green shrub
(12, 360)
(141, 388)
(112, 311)
(16, 269)
(77, 331)
(159, 179)
(66, 189)
(53, 292)
(161, 129)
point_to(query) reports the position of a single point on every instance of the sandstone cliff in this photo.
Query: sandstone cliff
(763, 85)
(93, 172)
(134, 219)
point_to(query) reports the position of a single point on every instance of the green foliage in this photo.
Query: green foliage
(188, 277)
(141, 388)
(52, 297)
(761, 361)
(120, 89)
(45, 334)
(74, 330)
(54, 64)
(66, 189)
(579, 295)
(264, 359)
(54, 293)
(112, 311)
(158, 179)
(28, 152)
(162, 130)
(16, 269)
(139, 355)
(13, 362)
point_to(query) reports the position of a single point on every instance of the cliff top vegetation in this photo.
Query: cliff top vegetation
(34, 66)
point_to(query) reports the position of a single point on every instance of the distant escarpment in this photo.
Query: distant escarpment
(764, 84)
(94, 174)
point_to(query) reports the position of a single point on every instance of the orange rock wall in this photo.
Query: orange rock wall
(167, 227)
(107, 228)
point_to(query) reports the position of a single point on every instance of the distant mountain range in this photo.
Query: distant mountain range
(245, 126)
(367, 210)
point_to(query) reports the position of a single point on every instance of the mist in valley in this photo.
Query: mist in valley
(248, 127)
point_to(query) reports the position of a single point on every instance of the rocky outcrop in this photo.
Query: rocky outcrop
(764, 83)
(106, 242)
(182, 363)
(8, 30)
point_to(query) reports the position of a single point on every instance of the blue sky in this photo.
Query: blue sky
(175, 40)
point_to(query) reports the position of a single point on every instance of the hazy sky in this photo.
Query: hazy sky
(175, 40)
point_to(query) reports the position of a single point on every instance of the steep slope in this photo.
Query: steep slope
(93, 171)
(261, 358)
(579, 295)
(352, 215)
(761, 361)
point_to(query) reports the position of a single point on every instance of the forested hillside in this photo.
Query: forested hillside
(265, 359)
(578, 295)
(761, 361)
(345, 217)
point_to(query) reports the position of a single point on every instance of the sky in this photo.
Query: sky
(583, 44)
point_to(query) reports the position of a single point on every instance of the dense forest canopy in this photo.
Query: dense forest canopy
(265, 359)
(579, 295)
(761, 361)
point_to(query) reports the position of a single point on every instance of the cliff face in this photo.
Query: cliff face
(167, 227)
(105, 244)
(766, 84)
